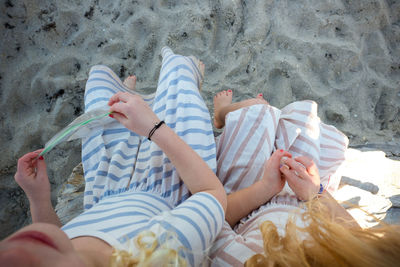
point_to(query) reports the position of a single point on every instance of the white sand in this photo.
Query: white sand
(345, 55)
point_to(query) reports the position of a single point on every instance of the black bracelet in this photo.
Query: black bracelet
(156, 126)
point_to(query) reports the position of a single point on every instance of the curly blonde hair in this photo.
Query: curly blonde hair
(327, 243)
(146, 251)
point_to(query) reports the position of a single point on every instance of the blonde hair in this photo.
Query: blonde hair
(327, 243)
(146, 251)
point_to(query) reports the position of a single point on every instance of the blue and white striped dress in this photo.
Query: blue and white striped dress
(131, 185)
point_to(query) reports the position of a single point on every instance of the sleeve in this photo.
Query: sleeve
(232, 249)
(196, 223)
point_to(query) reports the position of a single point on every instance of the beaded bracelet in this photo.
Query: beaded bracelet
(321, 189)
(156, 126)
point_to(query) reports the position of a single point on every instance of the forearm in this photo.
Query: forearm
(43, 211)
(339, 213)
(194, 172)
(242, 202)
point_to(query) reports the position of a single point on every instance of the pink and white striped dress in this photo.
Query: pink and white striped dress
(250, 136)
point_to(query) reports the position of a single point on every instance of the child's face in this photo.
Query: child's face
(38, 244)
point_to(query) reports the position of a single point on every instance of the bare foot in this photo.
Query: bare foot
(252, 101)
(130, 82)
(221, 100)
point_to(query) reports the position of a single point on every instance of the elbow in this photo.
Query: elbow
(220, 194)
(230, 220)
(222, 198)
(224, 201)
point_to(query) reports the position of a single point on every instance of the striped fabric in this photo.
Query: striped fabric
(250, 136)
(116, 159)
(119, 164)
(233, 248)
(118, 219)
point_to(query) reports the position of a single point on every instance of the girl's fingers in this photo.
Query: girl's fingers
(41, 166)
(120, 108)
(293, 179)
(29, 156)
(296, 168)
(299, 186)
(276, 157)
(26, 161)
(285, 154)
(119, 97)
(119, 117)
(281, 153)
(38, 151)
(309, 164)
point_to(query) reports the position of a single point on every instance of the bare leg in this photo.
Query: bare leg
(223, 105)
(130, 82)
(201, 67)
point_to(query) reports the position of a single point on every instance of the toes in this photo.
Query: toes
(217, 95)
(260, 96)
(130, 82)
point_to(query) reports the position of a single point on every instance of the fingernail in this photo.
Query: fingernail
(41, 158)
(229, 90)
(111, 115)
(281, 150)
(260, 94)
(283, 160)
(285, 166)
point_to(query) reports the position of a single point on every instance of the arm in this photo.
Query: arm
(242, 202)
(302, 176)
(137, 116)
(32, 177)
(195, 173)
(339, 213)
(305, 184)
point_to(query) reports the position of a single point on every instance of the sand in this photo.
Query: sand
(345, 55)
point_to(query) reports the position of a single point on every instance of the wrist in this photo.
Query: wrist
(42, 201)
(315, 192)
(272, 189)
(321, 189)
(161, 133)
(265, 191)
(154, 129)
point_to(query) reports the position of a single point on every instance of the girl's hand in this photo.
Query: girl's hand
(32, 177)
(302, 176)
(133, 112)
(272, 175)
